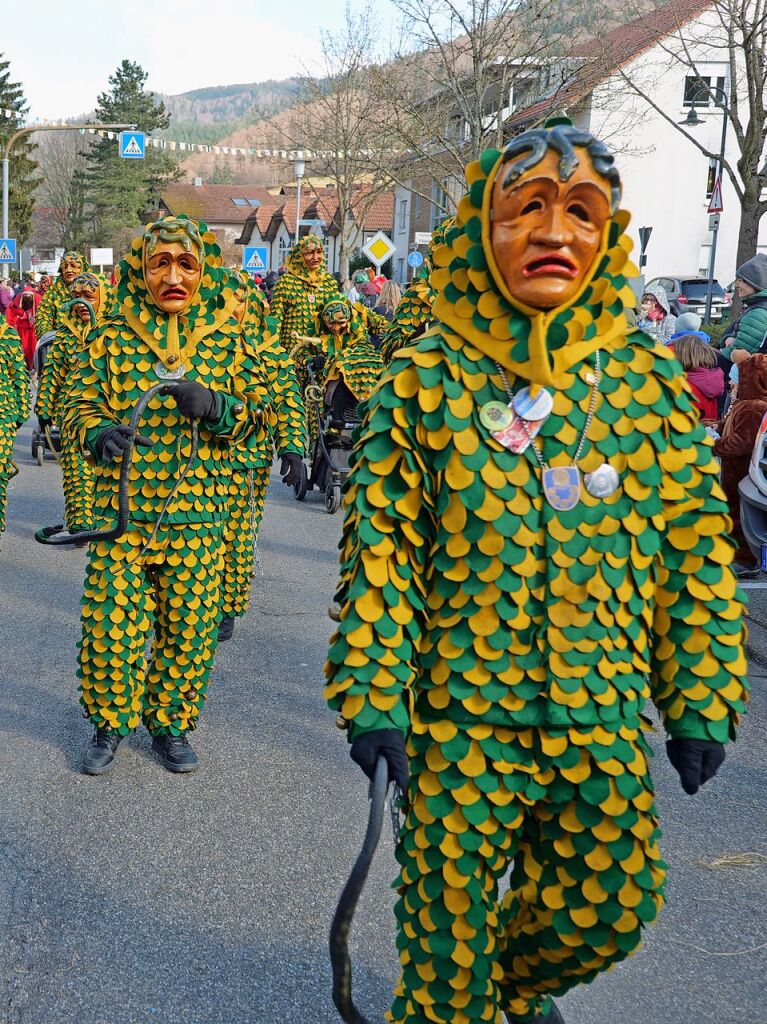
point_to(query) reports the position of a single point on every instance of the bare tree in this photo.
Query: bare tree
(733, 33)
(61, 158)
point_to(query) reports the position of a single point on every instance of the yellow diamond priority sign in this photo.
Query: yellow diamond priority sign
(379, 249)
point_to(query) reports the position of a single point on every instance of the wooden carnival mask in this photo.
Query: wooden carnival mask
(71, 267)
(172, 265)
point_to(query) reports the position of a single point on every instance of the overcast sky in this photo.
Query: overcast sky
(63, 53)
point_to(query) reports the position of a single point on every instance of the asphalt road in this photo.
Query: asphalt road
(142, 896)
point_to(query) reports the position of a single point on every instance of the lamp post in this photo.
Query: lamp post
(692, 121)
(39, 128)
(299, 167)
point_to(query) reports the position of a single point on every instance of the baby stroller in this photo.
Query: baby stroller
(44, 440)
(335, 414)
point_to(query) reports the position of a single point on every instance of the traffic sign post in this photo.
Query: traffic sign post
(715, 208)
(644, 238)
(422, 238)
(8, 250)
(379, 249)
(415, 260)
(132, 145)
(715, 204)
(255, 259)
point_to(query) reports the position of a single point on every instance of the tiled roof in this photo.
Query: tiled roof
(604, 54)
(214, 203)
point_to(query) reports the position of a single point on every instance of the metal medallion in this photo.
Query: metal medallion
(495, 415)
(562, 487)
(162, 371)
(529, 408)
(602, 482)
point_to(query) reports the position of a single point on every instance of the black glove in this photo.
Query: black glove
(317, 362)
(290, 468)
(195, 401)
(386, 743)
(112, 443)
(696, 761)
(43, 422)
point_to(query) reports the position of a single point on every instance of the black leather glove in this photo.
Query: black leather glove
(696, 761)
(43, 422)
(112, 443)
(317, 362)
(290, 468)
(195, 400)
(386, 743)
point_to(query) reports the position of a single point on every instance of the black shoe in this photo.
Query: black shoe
(176, 753)
(552, 1017)
(225, 628)
(747, 572)
(100, 752)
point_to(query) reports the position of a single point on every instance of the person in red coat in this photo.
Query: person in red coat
(703, 375)
(21, 315)
(738, 432)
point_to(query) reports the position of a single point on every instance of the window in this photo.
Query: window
(711, 178)
(240, 202)
(417, 208)
(403, 214)
(401, 271)
(254, 202)
(698, 89)
(283, 248)
(439, 204)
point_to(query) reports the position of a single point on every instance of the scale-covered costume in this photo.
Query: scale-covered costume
(300, 294)
(252, 458)
(14, 405)
(516, 644)
(57, 374)
(49, 311)
(160, 581)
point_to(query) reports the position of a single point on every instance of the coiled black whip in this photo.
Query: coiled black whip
(123, 501)
(347, 904)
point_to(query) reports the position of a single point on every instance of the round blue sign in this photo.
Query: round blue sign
(415, 259)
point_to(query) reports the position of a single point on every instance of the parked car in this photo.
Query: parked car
(688, 295)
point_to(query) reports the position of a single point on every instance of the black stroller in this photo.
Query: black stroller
(44, 440)
(335, 416)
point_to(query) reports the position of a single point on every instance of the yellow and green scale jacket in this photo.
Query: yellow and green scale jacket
(465, 597)
(288, 424)
(374, 323)
(49, 311)
(412, 313)
(14, 378)
(350, 356)
(120, 365)
(299, 296)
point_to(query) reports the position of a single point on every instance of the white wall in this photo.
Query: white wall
(664, 175)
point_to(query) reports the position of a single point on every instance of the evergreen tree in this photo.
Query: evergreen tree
(120, 190)
(23, 181)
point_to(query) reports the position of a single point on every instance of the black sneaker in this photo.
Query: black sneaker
(225, 628)
(100, 752)
(176, 753)
(747, 572)
(552, 1017)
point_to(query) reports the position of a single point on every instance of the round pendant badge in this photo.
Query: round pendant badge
(602, 482)
(529, 408)
(495, 416)
(310, 297)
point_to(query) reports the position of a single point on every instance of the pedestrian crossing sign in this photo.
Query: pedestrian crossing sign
(7, 250)
(132, 145)
(255, 259)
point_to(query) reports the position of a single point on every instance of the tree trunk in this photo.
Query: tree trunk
(751, 212)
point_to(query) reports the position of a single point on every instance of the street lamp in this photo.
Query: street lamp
(692, 121)
(299, 167)
(40, 128)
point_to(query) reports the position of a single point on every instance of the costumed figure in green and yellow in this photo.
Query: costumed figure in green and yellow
(302, 291)
(414, 311)
(14, 405)
(73, 327)
(535, 544)
(172, 322)
(345, 363)
(72, 264)
(252, 458)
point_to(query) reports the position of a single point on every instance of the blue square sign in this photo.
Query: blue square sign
(132, 145)
(7, 250)
(255, 259)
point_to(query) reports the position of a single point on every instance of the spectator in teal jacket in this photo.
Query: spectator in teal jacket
(749, 331)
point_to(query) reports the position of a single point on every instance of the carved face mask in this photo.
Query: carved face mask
(173, 274)
(85, 287)
(546, 232)
(71, 267)
(312, 256)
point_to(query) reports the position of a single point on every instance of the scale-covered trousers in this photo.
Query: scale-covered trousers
(247, 494)
(572, 815)
(164, 590)
(77, 481)
(7, 441)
